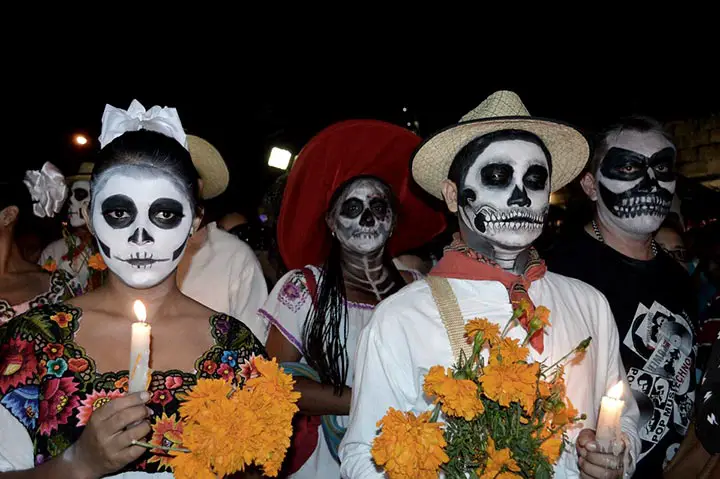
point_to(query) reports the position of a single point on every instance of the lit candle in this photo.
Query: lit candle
(608, 428)
(139, 351)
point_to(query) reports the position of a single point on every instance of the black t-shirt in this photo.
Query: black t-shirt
(651, 302)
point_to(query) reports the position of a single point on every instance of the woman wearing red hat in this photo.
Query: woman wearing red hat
(347, 210)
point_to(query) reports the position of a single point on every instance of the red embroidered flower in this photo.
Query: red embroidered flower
(162, 397)
(248, 369)
(17, 363)
(173, 382)
(167, 432)
(54, 350)
(226, 372)
(58, 404)
(93, 402)
(77, 365)
(62, 319)
(209, 367)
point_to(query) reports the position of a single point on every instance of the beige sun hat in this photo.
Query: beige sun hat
(84, 173)
(503, 110)
(210, 166)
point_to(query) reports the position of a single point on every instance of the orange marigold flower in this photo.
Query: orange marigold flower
(96, 262)
(543, 315)
(202, 396)
(459, 397)
(511, 382)
(191, 466)
(273, 380)
(510, 350)
(409, 447)
(552, 446)
(565, 414)
(497, 462)
(49, 265)
(490, 331)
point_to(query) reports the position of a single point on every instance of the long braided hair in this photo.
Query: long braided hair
(326, 327)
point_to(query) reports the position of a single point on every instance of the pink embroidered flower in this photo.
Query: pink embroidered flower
(93, 402)
(173, 382)
(162, 397)
(54, 350)
(57, 404)
(226, 372)
(248, 369)
(77, 365)
(209, 366)
(17, 363)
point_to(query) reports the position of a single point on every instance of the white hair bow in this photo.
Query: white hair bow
(116, 122)
(48, 190)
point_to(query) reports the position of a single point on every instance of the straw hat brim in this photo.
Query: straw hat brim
(568, 147)
(210, 166)
(72, 179)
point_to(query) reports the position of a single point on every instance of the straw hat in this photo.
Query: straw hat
(84, 173)
(210, 166)
(503, 110)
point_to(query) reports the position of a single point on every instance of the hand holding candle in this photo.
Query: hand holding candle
(139, 370)
(608, 427)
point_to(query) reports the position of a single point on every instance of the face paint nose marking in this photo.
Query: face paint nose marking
(367, 219)
(141, 237)
(519, 198)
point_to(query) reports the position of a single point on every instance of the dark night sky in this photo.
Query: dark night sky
(244, 112)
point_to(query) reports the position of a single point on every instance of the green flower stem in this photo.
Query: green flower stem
(155, 446)
(436, 413)
(581, 347)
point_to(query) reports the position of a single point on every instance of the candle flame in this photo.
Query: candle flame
(140, 311)
(616, 391)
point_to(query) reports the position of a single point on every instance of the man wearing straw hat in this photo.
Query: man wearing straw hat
(494, 170)
(218, 270)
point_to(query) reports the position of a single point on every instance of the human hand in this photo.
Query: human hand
(595, 464)
(106, 444)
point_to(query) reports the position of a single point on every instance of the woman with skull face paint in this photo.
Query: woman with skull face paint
(631, 181)
(65, 413)
(23, 285)
(339, 227)
(72, 253)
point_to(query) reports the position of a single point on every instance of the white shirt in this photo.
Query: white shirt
(406, 337)
(287, 309)
(78, 268)
(225, 276)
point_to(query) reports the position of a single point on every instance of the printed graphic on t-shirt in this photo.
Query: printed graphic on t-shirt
(663, 387)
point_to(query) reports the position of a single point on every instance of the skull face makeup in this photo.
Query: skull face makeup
(142, 222)
(636, 182)
(362, 217)
(504, 198)
(79, 198)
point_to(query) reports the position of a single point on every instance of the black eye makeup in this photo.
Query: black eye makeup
(625, 165)
(119, 211)
(379, 207)
(535, 178)
(166, 213)
(496, 174)
(352, 208)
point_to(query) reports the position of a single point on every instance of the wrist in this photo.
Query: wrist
(75, 467)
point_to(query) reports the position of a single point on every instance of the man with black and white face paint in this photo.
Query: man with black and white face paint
(631, 180)
(142, 222)
(494, 170)
(73, 251)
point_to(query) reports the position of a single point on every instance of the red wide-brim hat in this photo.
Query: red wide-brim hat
(335, 155)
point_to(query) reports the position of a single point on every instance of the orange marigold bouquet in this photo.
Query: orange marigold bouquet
(227, 429)
(504, 419)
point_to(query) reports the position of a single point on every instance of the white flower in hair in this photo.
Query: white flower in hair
(48, 190)
(116, 122)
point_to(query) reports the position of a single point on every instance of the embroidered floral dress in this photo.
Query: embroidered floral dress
(51, 386)
(62, 287)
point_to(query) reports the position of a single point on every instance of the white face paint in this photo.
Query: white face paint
(636, 182)
(506, 194)
(363, 217)
(79, 198)
(142, 223)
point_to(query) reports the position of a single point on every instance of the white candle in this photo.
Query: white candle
(139, 351)
(608, 427)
